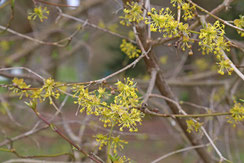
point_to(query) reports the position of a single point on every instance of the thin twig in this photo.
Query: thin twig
(151, 85)
(147, 111)
(31, 161)
(34, 156)
(57, 43)
(4, 104)
(26, 134)
(216, 17)
(178, 151)
(139, 42)
(94, 26)
(55, 129)
(23, 68)
(123, 69)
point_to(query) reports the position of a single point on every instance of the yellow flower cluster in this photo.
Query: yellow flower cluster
(102, 140)
(116, 142)
(128, 94)
(117, 109)
(39, 12)
(212, 40)
(88, 100)
(132, 14)
(240, 23)
(193, 125)
(20, 87)
(224, 64)
(186, 42)
(120, 112)
(188, 11)
(48, 90)
(210, 37)
(187, 8)
(162, 21)
(129, 49)
(237, 114)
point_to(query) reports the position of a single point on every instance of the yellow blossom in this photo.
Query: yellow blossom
(193, 125)
(132, 14)
(39, 12)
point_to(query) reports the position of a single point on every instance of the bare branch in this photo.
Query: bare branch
(178, 151)
(40, 41)
(23, 68)
(151, 85)
(85, 22)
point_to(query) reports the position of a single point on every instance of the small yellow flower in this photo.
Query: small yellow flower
(193, 125)
(49, 90)
(188, 11)
(20, 87)
(39, 12)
